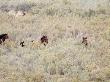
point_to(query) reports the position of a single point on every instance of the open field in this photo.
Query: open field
(65, 58)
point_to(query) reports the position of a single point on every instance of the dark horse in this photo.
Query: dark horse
(22, 43)
(3, 37)
(44, 40)
(85, 41)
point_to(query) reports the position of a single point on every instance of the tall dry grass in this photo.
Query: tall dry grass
(65, 58)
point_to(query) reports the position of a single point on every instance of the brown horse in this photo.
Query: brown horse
(84, 41)
(3, 37)
(44, 40)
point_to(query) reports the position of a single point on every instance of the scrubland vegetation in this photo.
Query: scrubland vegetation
(65, 58)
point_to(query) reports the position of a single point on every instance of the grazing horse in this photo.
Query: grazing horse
(44, 40)
(22, 44)
(3, 37)
(84, 41)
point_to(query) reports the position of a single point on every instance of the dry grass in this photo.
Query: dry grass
(65, 58)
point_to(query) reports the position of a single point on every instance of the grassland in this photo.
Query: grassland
(65, 58)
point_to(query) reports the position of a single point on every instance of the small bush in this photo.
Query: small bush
(51, 11)
(66, 2)
(89, 13)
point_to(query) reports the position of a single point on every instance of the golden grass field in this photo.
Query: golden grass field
(64, 58)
